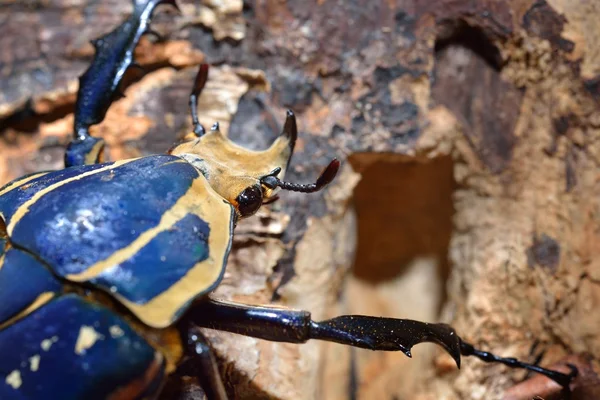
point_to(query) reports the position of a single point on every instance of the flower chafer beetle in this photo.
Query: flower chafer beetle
(106, 268)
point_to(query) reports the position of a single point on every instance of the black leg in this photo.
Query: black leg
(284, 325)
(200, 363)
(374, 333)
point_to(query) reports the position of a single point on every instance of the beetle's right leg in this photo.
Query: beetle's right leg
(99, 85)
(201, 363)
(373, 333)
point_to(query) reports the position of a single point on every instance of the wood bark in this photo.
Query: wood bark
(469, 132)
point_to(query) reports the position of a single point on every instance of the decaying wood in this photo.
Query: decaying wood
(474, 126)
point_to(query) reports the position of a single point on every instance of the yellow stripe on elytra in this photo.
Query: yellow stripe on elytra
(24, 208)
(37, 303)
(18, 183)
(169, 218)
(204, 202)
(2, 257)
(92, 155)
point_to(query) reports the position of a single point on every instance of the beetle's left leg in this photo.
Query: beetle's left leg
(200, 362)
(99, 85)
(373, 333)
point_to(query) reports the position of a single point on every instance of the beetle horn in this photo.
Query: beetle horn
(280, 152)
(271, 181)
(199, 83)
(290, 129)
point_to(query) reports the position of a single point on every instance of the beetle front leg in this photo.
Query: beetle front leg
(99, 84)
(373, 333)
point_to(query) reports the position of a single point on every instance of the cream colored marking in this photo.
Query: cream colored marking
(24, 209)
(47, 343)
(231, 168)
(34, 363)
(169, 218)
(204, 202)
(2, 259)
(92, 156)
(116, 331)
(21, 182)
(86, 339)
(14, 379)
(173, 215)
(177, 161)
(37, 303)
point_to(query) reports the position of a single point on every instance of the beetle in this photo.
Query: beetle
(106, 267)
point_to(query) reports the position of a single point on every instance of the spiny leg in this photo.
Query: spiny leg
(373, 333)
(200, 363)
(99, 84)
(293, 326)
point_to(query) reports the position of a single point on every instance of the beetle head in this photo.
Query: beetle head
(245, 178)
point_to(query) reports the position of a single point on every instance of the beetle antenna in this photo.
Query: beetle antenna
(271, 181)
(199, 83)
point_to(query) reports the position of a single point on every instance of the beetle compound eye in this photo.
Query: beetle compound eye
(250, 200)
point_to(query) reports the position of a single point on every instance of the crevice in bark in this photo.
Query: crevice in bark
(404, 210)
(460, 33)
(468, 81)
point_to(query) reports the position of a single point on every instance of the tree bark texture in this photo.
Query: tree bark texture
(470, 191)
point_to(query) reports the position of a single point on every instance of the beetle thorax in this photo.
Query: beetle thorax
(229, 168)
(227, 181)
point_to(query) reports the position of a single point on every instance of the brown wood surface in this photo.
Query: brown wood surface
(470, 192)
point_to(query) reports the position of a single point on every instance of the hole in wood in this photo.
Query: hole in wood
(404, 211)
(469, 83)
(458, 33)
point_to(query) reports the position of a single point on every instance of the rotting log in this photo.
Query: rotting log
(473, 124)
